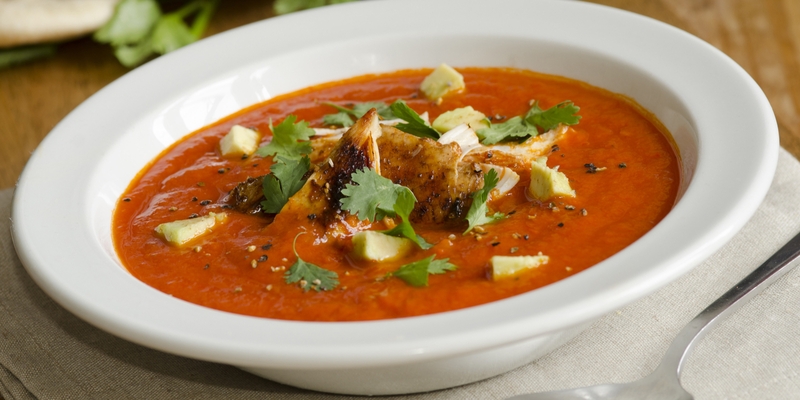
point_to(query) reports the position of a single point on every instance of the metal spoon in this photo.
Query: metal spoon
(664, 382)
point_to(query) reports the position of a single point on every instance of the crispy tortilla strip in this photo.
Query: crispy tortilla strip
(517, 155)
(39, 21)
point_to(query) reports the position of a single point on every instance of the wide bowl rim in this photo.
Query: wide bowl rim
(258, 342)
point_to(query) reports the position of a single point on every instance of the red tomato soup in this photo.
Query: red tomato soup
(619, 160)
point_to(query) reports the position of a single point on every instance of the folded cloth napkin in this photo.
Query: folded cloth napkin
(46, 352)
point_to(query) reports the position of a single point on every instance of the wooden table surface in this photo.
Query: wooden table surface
(763, 36)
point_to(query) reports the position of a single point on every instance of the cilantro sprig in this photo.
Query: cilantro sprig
(535, 119)
(310, 276)
(416, 273)
(478, 211)
(284, 180)
(414, 124)
(345, 115)
(289, 139)
(373, 197)
(139, 29)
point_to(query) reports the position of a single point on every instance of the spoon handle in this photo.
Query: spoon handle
(772, 269)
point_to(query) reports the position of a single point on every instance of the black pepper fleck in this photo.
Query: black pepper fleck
(312, 216)
(194, 198)
(206, 266)
(266, 246)
(623, 165)
(193, 216)
(560, 224)
(201, 184)
(495, 244)
(512, 212)
(555, 148)
(221, 171)
(263, 258)
(205, 202)
(526, 237)
(126, 199)
(244, 156)
(590, 168)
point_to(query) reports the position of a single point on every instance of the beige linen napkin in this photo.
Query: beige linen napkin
(47, 353)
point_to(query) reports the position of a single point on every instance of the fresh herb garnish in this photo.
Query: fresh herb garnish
(565, 113)
(514, 127)
(477, 214)
(416, 273)
(289, 139)
(414, 124)
(139, 29)
(529, 125)
(374, 197)
(284, 180)
(310, 276)
(345, 115)
(286, 6)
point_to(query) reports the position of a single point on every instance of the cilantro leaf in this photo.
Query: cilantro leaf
(339, 118)
(477, 214)
(131, 23)
(343, 116)
(514, 127)
(373, 196)
(309, 275)
(286, 6)
(529, 125)
(414, 124)
(138, 29)
(289, 139)
(416, 273)
(565, 113)
(283, 181)
(402, 208)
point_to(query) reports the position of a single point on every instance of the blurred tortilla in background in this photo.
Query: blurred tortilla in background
(25, 22)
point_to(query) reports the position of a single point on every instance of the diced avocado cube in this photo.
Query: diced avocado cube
(443, 80)
(546, 182)
(178, 233)
(464, 115)
(510, 266)
(376, 246)
(239, 141)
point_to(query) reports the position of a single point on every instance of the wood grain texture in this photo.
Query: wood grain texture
(763, 36)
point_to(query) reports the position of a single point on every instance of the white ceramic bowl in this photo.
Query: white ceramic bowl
(719, 117)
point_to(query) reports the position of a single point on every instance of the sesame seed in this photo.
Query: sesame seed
(316, 282)
(569, 207)
(285, 259)
(584, 212)
(452, 236)
(569, 269)
(251, 248)
(237, 290)
(269, 287)
(173, 208)
(253, 263)
(303, 283)
(480, 229)
(197, 249)
(514, 250)
(330, 162)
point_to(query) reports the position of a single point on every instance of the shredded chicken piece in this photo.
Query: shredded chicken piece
(442, 185)
(517, 155)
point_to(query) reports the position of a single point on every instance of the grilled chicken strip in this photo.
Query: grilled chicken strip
(443, 186)
(322, 192)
